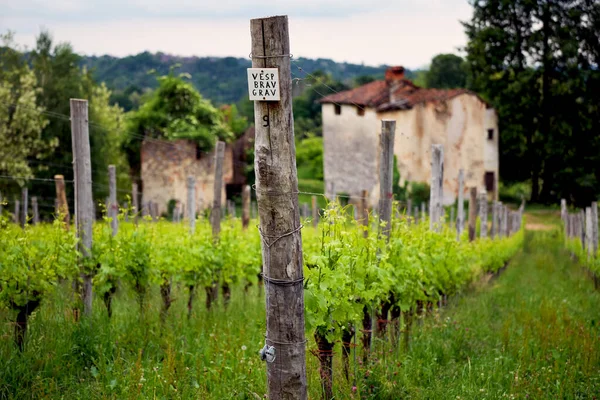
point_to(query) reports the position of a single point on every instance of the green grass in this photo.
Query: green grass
(530, 333)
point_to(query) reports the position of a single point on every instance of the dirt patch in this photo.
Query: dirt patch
(539, 227)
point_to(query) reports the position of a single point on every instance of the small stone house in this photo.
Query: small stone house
(458, 119)
(165, 167)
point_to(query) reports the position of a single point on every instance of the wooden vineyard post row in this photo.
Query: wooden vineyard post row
(84, 204)
(276, 191)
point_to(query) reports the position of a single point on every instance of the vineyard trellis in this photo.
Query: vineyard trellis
(347, 269)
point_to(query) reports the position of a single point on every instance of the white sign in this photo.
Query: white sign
(263, 84)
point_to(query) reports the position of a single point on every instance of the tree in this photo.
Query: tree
(447, 71)
(176, 110)
(536, 62)
(21, 119)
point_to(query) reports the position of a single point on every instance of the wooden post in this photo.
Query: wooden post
(595, 228)
(588, 231)
(218, 188)
(61, 197)
(472, 213)
(135, 201)
(416, 214)
(276, 187)
(582, 228)
(315, 211)
(24, 206)
(436, 190)
(494, 229)
(460, 220)
(386, 164)
(408, 208)
(505, 221)
(125, 206)
(34, 208)
(483, 214)
(423, 212)
(451, 222)
(17, 215)
(563, 210)
(84, 204)
(246, 206)
(191, 201)
(112, 199)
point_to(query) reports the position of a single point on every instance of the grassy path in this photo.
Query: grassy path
(531, 333)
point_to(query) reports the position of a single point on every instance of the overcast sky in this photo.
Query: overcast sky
(373, 32)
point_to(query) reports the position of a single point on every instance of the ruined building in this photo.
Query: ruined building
(456, 118)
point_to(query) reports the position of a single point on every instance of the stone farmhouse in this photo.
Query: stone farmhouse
(458, 119)
(165, 167)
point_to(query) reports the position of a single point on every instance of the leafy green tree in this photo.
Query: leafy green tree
(21, 118)
(176, 111)
(106, 140)
(446, 71)
(309, 158)
(537, 63)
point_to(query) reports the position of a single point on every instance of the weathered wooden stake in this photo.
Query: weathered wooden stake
(24, 206)
(17, 214)
(276, 187)
(494, 229)
(423, 212)
(34, 209)
(595, 228)
(386, 164)
(191, 201)
(246, 206)
(61, 197)
(112, 199)
(363, 213)
(217, 189)
(416, 215)
(582, 228)
(84, 204)
(588, 231)
(460, 220)
(135, 201)
(483, 214)
(472, 213)
(437, 181)
(563, 210)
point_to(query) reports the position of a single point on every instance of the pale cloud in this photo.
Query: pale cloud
(407, 32)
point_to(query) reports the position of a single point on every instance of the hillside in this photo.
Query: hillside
(220, 79)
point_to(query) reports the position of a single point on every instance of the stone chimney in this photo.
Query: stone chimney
(394, 76)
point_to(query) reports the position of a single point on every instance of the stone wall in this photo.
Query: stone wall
(166, 165)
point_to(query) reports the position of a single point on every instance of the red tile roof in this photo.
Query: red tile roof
(405, 95)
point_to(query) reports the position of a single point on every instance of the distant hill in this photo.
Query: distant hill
(220, 79)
